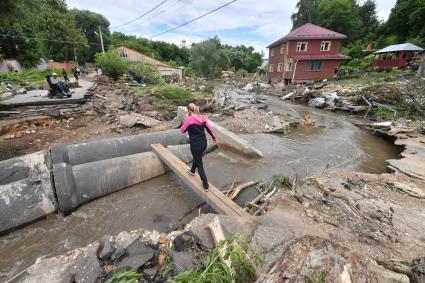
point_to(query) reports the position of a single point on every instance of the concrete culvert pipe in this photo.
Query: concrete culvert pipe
(75, 154)
(79, 184)
(26, 193)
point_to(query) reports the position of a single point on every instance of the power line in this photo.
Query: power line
(195, 19)
(162, 11)
(151, 10)
(46, 39)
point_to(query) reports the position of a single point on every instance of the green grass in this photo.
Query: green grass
(164, 96)
(215, 271)
(27, 77)
(126, 276)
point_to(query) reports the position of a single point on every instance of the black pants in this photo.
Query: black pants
(197, 148)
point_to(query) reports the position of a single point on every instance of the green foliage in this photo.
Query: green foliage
(306, 13)
(339, 15)
(126, 276)
(28, 77)
(242, 73)
(146, 72)
(88, 23)
(282, 181)
(406, 20)
(208, 59)
(209, 88)
(317, 278)
(243, 58)
(164, 96)
(111, 64)
(159, 50)
(214, 270)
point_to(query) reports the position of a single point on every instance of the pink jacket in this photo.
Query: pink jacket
(198, 120)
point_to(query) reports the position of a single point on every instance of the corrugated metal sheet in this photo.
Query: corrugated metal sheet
(400, 47)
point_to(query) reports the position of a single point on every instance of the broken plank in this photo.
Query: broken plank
(214, 197)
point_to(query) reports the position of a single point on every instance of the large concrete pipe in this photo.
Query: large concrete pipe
(79, 184)
(26, 193)
(75, 154)
(225, 138)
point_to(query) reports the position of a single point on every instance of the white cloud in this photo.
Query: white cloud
(249, 22)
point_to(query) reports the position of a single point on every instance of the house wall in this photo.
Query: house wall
(276, 60)
(313, 48)
(165, 70)
(327, 71)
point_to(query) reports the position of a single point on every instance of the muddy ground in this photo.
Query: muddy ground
(341, 220)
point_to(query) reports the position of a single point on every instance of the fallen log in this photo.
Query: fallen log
(236, 191)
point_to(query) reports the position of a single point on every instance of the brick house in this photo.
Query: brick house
(307, 53)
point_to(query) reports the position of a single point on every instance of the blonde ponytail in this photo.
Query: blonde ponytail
(193, 109)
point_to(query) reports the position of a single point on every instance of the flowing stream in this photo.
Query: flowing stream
(164, 203)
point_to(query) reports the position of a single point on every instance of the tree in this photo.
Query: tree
(306, 13)
(339, 15)
(406, 20)
(368, 18)
(111, 64)
(208, 59)
(88, 23)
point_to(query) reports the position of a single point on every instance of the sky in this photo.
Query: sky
(250, 22)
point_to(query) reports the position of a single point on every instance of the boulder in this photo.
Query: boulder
(317, 102)
(182, 261)
(137, 254)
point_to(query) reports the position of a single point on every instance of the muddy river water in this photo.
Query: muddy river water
(163, 203)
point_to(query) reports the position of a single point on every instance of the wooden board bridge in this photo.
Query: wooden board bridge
(214, 197)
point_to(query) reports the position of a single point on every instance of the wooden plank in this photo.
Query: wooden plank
(214, 197)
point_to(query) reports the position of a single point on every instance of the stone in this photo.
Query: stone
(137, 254)
(87, 268)
(122, 241)
(317, 102)
(183, 240)
(150, 272)
(108, 247)
(80, 265)
(182, 261)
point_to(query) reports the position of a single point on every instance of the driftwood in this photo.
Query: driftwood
(218, 236)
(258, 205)
(236, 191)
(101, 96)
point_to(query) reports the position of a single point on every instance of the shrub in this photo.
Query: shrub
(242, 73)
(176, 95)
(146, 72)
(111, 64)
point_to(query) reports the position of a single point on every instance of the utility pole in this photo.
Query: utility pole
(75, 56)
(101, 40)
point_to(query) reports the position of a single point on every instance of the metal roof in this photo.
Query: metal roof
(400, 47)
(309, 31)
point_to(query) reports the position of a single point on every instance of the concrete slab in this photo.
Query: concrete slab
(39, 97)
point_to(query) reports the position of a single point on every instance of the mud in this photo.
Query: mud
(159, 204)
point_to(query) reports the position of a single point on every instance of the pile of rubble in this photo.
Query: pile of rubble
(256, 121)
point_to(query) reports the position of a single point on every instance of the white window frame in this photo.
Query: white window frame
(314, 64)
(299, 44)
(282, 49)
(280, 67)
(272, 51)
(323, 44)
(271, 68)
